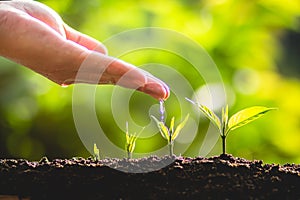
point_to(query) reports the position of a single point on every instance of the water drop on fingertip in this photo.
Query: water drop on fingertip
(64, 85)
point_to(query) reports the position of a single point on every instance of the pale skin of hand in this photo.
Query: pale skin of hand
(35, 36)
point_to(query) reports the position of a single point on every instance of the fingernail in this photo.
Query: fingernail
(156, 90)
(167, 91)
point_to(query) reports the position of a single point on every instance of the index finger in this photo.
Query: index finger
(102, 69)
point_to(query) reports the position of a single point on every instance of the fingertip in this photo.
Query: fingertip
(167, 92)
(159, 87)
(101, 48)
(156, 90)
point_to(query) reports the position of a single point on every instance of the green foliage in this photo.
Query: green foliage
(245, 116)
(209, 114)
(224, 119)
(96, 152)
(179, 128)
(130, 141)
(168, 133)
(239, 119)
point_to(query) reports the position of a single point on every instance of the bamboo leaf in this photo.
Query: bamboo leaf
(246, 116)
(179, 127)
(162, 129)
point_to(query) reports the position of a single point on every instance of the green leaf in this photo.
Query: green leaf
(162, 129)
(224, 120)
(131, 139)
(179, 127)
(96, 152)
(131, 144)
(131, 147)
(172, 124)
(210, 115)
(246, 116)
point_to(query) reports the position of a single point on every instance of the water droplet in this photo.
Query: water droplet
(64, 85)
(162, 110)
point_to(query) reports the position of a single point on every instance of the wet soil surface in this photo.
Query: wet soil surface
(220, 177)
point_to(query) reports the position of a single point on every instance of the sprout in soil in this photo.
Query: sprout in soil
(239, 119)
(96, 152)
(170, 134)
(130, 141)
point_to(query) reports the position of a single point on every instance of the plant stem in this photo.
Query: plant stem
(129, 155)
(171, 146)
(223, 144)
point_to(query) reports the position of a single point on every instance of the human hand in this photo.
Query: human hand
(35, 36)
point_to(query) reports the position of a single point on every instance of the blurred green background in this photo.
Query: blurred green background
(255, 44)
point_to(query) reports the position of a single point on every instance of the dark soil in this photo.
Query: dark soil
(222, 177)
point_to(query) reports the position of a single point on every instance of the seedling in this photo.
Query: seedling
(170, 134)
(130, 141)
(96, 152)
(239, 119)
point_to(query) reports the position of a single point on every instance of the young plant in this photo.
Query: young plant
(96, 152)
(170, 134)
(241, 118)
(130, 141)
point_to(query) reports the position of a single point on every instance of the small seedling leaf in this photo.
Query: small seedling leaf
(162, 129)
(179, 127)
(208, 113)
(172, 124)
(211, 116)
(131, 144)
(246, 116)
(224, 119)
(131, 147)
(132, 139)
(96, 152)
